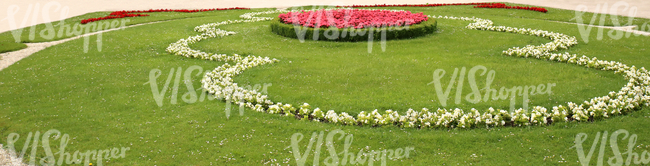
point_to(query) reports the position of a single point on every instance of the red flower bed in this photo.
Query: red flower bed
(355, 18)
(477, 5)
(122, 14)
(504, 6)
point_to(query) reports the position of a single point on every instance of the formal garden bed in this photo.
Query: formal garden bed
(352, 25)
(219, 82)
(130, 93)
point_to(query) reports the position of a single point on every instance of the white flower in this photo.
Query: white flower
(219, 82)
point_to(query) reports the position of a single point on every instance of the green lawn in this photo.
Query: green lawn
(99, 99)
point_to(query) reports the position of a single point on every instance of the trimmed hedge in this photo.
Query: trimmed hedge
(351, 34)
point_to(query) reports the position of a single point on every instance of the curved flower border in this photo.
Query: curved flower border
(632, 96)
(476, 5)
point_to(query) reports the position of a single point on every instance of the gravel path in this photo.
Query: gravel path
(7, 159)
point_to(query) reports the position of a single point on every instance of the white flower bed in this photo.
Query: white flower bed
(632, 96)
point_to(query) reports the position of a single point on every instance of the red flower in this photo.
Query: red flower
(476, 5)
(344, 18)
(122, 14)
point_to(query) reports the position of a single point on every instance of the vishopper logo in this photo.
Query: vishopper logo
(585, 28)
(627, 157)
(191, 96)
(489, 92)
(346, 156)
(59, 30)
(64, 157)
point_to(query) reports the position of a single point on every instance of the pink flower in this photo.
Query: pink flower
(356, 18)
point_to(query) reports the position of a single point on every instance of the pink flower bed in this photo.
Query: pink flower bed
(355, 18)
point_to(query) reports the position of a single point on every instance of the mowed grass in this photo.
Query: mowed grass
(343, 76)
(100, 99)
(71, 27)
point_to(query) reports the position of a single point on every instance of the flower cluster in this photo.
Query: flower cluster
(355, 18)
(219, 82)
(631, 97)
(558, 40)
(504, 6)
(415, 5)
(181, 47)
(124, 13)
(477, 5)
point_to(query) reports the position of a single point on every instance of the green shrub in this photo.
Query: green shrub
(351, 34)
